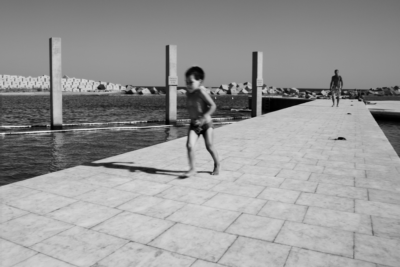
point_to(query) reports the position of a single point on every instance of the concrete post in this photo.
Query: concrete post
(1, 110)
(55, 83)
(171, 84)
(257, 83)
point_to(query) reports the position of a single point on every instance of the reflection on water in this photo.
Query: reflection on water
(58, 161)
(171, 133)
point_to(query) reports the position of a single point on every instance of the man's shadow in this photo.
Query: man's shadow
(150, 170)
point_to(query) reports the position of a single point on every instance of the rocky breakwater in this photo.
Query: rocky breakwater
(246, 89)
(14, 83)
(131, 90)
(385, 91)
(224, 89)
(379, 93)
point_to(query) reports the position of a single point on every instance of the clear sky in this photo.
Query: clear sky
(123, 41)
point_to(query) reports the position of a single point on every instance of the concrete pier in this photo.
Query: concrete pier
(257, 83)
(289, 195)
(171, 83)
(55, 83)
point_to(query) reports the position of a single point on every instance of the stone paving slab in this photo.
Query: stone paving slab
(42, 260)
(11, 253)
(289, 194)
(79, 246)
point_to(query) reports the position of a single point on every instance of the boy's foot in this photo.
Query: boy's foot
(216, 169)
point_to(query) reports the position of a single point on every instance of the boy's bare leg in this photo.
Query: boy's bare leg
(333, 100)
(208, 139)
(337, 99)
(191, 145)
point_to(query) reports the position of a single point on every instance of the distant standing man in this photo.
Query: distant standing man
(336, 87)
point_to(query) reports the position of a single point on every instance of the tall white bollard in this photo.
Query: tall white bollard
(55, 83)
(257, 81)
(171, 84)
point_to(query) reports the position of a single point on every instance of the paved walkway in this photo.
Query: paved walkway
(290, 195)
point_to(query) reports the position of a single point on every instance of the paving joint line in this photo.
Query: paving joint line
(166, 218)
(44, 215)
(283, 225)
(173, 224)
(111, 252)
(72, 226)
(354, 245)
(372, 225)
(288, 255)
(223, 254)
(319, 251)
(226, 228)
(305, 213)
(50, 256)
(263, 206)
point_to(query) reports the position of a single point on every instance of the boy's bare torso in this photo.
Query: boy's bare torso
(197, 105)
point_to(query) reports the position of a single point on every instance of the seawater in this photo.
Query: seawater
(26, 156)
(31, 110)
(391, 127)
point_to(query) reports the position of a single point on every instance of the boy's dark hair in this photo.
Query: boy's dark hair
(197, 72)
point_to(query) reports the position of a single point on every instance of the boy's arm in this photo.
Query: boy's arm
(207, 98)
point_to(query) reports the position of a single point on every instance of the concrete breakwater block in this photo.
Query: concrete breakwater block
(232, 91)
(153, 90)
(223, 87)
(143, 91)
(243, 91)
(181, 91)
(222, 92)
(130, 90)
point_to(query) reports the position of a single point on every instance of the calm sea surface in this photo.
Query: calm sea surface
(26, 156)
(31, 110)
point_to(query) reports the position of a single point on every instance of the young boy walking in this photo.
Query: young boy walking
(200, 107)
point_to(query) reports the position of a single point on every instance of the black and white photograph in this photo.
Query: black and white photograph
(200, 133)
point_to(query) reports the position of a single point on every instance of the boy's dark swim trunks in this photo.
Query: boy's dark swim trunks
(201, 129)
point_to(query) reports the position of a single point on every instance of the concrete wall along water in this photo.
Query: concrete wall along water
(270, 104)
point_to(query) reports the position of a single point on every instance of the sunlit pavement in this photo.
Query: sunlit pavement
(289, 195)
